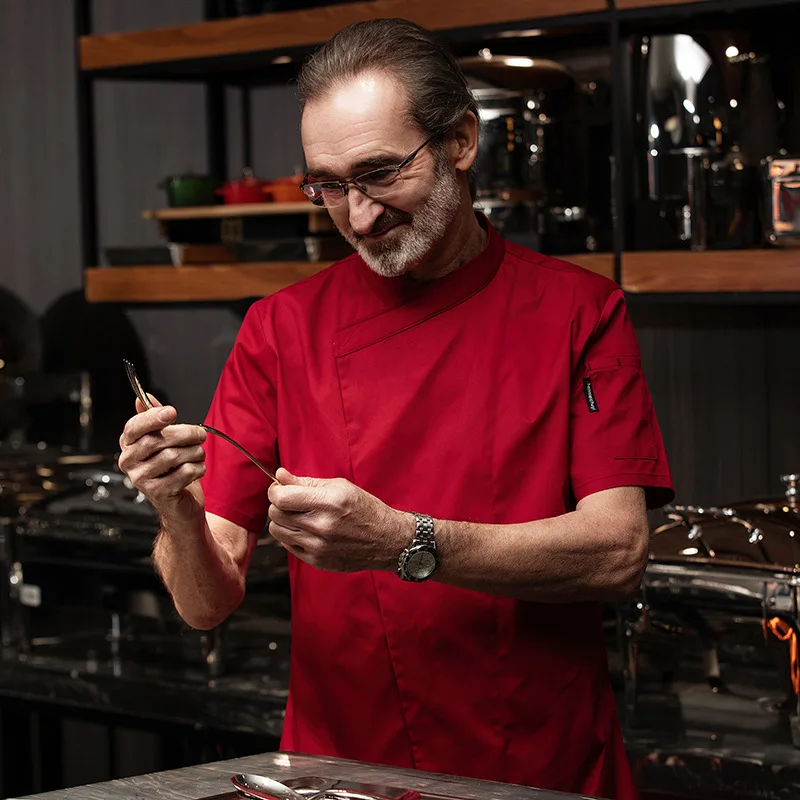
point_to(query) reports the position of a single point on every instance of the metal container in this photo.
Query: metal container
(781, 200)
(511, 152)
(718, 618)
(680, 95)
(81, 584)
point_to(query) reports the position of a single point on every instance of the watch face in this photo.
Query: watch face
(421, 565)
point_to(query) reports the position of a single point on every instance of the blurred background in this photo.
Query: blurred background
(149, 171)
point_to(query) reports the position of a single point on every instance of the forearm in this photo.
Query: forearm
(204, 578)
(597, 552)
(580, 556)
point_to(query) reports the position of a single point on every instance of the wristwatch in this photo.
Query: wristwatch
(419, 560)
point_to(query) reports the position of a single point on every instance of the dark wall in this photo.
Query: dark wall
(725, 389)
(144, 131)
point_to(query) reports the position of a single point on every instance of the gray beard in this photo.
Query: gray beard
(407, 247)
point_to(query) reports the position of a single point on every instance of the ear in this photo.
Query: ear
(463, 144)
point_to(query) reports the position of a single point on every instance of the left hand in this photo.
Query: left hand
(331, 524)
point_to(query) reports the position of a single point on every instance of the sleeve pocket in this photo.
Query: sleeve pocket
(623, 410)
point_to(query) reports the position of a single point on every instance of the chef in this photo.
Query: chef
(465, 449)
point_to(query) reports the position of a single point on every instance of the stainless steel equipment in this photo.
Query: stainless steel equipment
(681, 130)
(781, 202)
(22, 394)
(718, 618)
(540, 151)
(81, 584)
(29, 473)
(509, 166)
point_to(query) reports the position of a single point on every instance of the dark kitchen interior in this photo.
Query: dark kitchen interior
(113, 151)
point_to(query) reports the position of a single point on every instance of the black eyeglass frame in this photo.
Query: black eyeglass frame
(345, 184)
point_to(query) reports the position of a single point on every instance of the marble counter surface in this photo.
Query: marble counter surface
(213, 781)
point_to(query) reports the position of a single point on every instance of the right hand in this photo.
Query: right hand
(164, 461)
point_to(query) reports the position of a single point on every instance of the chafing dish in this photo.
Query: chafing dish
(719, 614)
(81, 583)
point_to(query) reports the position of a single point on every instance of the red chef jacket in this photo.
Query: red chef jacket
(503, 392)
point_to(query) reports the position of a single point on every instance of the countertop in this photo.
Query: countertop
(213, 780)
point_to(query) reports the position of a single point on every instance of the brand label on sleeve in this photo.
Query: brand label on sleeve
(588, 393)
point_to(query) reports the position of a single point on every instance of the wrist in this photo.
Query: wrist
(179, 523)
(402, 527)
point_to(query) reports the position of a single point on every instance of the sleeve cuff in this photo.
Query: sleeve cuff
(658, 489)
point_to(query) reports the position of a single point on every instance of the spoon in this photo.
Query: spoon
(261, 788)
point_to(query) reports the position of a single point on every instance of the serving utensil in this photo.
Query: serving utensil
(140, 393)
(260, 787)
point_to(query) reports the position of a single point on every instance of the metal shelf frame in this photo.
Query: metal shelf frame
(619, 21)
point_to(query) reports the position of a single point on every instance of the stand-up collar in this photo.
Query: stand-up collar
(408, 301)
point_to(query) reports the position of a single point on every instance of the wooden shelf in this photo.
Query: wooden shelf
(233, 210)
(270, 32)
(709, 272)
(164, 284)
(194, 284)
(718, 271)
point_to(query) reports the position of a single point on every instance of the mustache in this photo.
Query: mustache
(388, 219)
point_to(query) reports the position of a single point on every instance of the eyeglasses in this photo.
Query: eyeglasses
(376, 183)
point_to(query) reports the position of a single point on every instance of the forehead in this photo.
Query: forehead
(365, 117)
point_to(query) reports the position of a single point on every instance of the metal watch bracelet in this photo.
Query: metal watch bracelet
(424, 540)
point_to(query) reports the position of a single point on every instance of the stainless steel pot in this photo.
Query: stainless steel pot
(680, 131)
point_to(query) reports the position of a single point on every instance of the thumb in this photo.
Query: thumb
(287, 479)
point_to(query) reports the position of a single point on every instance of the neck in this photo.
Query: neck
(462, 241)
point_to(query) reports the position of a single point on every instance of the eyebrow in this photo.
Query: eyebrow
(364, 165)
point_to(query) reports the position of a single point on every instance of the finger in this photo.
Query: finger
(298, 499)
(287, 479)
(284, 477)
(154, 419)
(165, 461)
(175, 436)
(167, 487)
(290, 538)
(149, 444)
(316, 495)
(289, 520)
(296, 551)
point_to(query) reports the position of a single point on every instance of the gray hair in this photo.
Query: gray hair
(438, 91)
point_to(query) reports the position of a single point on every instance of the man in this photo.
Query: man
(467, 448)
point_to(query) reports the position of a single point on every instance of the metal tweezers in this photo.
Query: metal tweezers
(140, 393)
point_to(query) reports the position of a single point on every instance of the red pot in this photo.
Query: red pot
(245, 190)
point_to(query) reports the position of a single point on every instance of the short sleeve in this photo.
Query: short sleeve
(245, 408)
(614, 437)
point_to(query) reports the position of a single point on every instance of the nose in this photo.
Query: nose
(363, 211)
